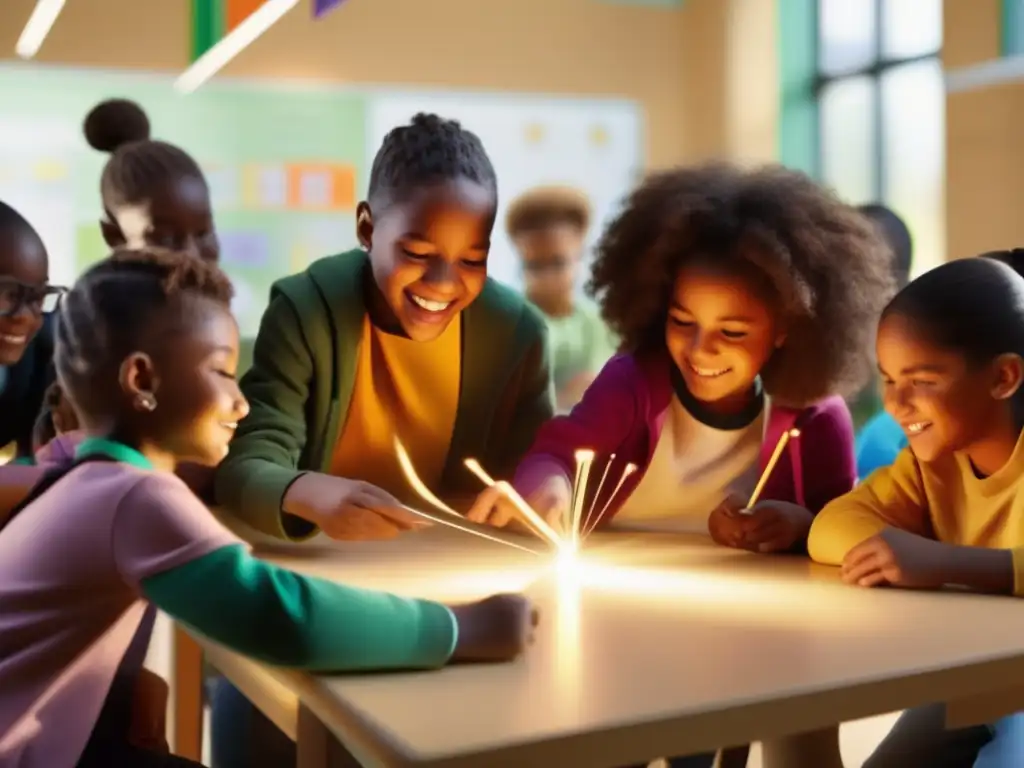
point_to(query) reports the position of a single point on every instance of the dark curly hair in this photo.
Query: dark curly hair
(428, 150)
(543, 207)
(826, 263)
(112, 303)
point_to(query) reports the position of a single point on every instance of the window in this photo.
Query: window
(881, 111)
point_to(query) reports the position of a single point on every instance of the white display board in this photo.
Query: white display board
(592, 144)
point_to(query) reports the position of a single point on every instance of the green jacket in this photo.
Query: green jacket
(303, 372)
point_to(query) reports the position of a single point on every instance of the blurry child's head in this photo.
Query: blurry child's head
(25, 290)
(154, 193)
(146, 352)
(743, 274)
(896, 235)
(548, 226)
(950, 349)
(427, 224)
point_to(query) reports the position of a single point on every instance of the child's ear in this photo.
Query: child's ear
(111, 233)
(139, 381)
(1009, 375)
(364, 225)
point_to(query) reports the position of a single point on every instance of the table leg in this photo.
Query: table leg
(815, 749)
(187, 683)
(316, 747)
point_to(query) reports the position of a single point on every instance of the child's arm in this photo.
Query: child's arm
(262, 463)
(601, 421)
(167, 545)
(892, 496)
(282, 618)
(827, 453)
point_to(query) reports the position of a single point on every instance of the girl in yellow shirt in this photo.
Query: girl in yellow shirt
(950, 510)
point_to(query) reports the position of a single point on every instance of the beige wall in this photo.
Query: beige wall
(691, 68)
(984, 149)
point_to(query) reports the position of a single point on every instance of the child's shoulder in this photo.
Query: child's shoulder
(506, 305)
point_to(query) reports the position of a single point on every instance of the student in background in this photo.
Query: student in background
(153, 193)
(745, 301)
(26, 347)
(147, 353)
(548, 226)
(949, 511)
(404, 338)
(880, 438)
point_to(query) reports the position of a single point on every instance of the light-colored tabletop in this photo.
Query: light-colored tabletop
(652, 645)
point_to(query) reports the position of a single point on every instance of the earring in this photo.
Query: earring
(145, 401)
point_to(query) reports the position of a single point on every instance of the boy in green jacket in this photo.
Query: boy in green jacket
(406, 338)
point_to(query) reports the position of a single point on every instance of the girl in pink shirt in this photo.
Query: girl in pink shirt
(146, 353)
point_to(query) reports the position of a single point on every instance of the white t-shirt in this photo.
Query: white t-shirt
(699, 459)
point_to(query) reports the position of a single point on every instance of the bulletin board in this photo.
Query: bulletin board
(287, 162)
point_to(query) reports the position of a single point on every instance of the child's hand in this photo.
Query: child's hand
(349, 510)
(725, 523)
(493, 507)
(896, 558)
(775, 526)
(498, 628)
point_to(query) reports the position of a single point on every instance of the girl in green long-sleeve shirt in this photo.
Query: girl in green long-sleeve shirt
(147, 350)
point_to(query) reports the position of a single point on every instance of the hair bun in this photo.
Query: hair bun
(113, 123)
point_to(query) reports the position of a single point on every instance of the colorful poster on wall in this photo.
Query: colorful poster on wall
(284, 166)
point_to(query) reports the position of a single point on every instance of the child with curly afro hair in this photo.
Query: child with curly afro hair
(746, 302)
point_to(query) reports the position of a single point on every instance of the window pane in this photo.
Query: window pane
(847, 35)
(913, 136)
(848, 151)
(911, 28)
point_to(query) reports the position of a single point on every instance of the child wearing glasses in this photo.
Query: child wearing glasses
(548, 226)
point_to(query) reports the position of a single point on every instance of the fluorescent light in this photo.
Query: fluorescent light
(233, 43)
(38, 27)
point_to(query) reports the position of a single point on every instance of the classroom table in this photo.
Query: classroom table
(656, 645)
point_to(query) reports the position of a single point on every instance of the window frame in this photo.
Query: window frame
(875, 70)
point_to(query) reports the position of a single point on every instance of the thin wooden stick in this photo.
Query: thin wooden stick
(524, 509)
(770, 466)
(629, 470)
(583, 461)
(597, 493)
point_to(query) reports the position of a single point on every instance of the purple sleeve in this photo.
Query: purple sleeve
(159, 524)
(601, 421)
(827, 453)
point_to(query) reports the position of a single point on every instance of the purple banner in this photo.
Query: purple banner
(322, 7)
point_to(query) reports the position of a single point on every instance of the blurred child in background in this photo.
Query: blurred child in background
(548, 226)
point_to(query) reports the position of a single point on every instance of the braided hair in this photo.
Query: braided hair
(103, 317)
(428, 150)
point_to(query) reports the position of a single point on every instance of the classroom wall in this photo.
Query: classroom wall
(703, 71)
(984, 151)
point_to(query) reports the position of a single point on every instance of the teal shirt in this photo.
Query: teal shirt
(290, 620)
(580, 343)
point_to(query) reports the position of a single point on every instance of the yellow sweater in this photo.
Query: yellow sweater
(941, 500)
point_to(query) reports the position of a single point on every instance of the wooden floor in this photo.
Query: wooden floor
(857, 739)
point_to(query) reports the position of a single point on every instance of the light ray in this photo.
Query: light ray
(597, 493)
(466, 529)
(584, 458)
(520, 504)
(629, 470)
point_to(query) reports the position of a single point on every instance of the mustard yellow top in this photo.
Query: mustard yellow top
(403, 388)
(943, 500)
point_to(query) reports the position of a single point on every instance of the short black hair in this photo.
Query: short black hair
(103, 316)
(14, 226)
(137, 163)
(896, 235)
(428, 150)
(972, 307)
(825, 264)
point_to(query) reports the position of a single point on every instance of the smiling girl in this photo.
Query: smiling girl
(949, 511)
(147, 350)
(745, 301)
